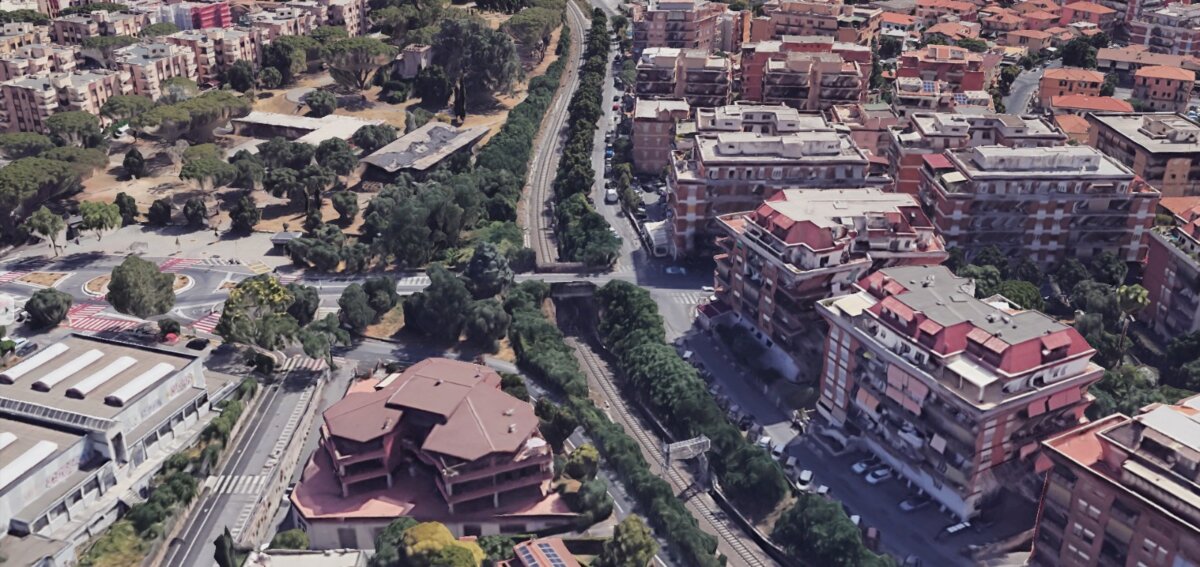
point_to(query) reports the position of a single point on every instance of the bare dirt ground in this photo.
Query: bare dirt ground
(43, 279)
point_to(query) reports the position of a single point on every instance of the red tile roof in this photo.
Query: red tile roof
(362, 416)
(1085, 102)
(1165, 72)
(1090, 7)
(898, 19)
(1072, 124)
(1073, 74)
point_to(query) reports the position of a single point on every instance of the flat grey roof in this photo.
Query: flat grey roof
(1130, 126)
(109, 353)
(947, 304)
(424, 147)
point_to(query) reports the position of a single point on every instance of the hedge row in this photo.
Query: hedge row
(543, 353)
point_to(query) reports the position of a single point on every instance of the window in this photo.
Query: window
(347, 538)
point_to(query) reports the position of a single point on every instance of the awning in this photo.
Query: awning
(1038, 407)
(867, 402)
(1064, 398)
(1056, 340)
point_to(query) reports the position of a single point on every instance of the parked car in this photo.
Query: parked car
(790, 464)
(611, 196)
(198, 344)
(879, 475)
(616, 106)
(777, 451)
(915, 503)
(27, 349)
(822, 490)
(912, 561)
(804, 480)
(865, 464)
(707, 288)
(764, 441)
(617, 98)
(952, 530)
(746, 422)
(676, 270)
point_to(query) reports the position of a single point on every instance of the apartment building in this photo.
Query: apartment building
(813, 81)
(1068, 81)
(830, 18)
(679, 24)
(912, 94)
(1033, 40)
(931, 12)
(72, 30)
(701, 79)
(1081, 105)
(930, 134)
(1124, 62)
(755, 55)
(953, 392)
(38, 59)
(1121, 491)
(1164, 88)
(1172, 271)
(149, 64)
(26, 102)
(1044, 204)
(15, 35)
(197, 15)
(1160, 147)
(960, 68)
(654, 133)
(1174, 30)
(743, 154)
(1100, 16)
(440, 441)
(348, 14)
(283, 21)
(804, 245)
(869, 124)
(215, 50)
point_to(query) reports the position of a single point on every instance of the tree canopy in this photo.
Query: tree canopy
(47, 307)
(354, 61)
(439, 310)
(137, 287)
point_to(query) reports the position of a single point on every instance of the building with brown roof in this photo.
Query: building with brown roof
(930, 12)
(438, 442)
(962, 69)
(1102, 17)
(1068, 81)
(869, 124)
(1083, 104)
(1033, 40)
(955, 31)
(1124, 62)
(1074, 126)
(1163, 88)
(1163, 147)
(1122, 491)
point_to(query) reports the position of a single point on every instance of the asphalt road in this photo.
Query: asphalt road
(1021, 96)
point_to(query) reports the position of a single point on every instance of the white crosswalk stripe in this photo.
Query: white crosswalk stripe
(221, 262)
(414, 281)
(302, 363)
(238, 484)
(688, 297)
(242, 518)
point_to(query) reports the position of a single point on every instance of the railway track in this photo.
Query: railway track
(544, 165)
(727, 534)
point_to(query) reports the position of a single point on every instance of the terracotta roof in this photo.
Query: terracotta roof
(1085, 102)
(1041, 15)
(952, 30)
(1074, 74)
(439, 385)
(1164, 72)
(1036, 34)
(899, 19)
(487, 421)
(1072, 124)
(938, 161)
(362, 416)
(1179, 205)
(1090, 7)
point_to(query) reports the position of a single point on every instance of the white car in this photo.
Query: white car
(879, 475)
(804, 480)
(764, 441)
(865, 464)
(611, 196)
(676, 270)
(707, 288)
(777, 451)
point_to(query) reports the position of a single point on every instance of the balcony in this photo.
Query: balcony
(454, 494)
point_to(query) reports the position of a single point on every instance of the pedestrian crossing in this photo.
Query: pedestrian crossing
(7, 277)
(237, 483)
(288, 278)
(285, 436)
(413, 281)
(176, 265)
(240, 524)
(220, 262)
(86, 310)
(97, 324)
(300, 362)
(688, 297)
(207, 323)
(259, 268)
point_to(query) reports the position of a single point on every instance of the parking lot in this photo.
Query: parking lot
(901, 533)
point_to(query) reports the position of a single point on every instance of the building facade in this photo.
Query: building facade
(1160, 147)
(1045, 204)
(26, 103)
(1122, 491)
(215, 50)
(701, 79)
(952, 392)
(38, 59)
(832, 18)
(743, 154)
(1164, 88)
(1068, 81)
(1172, 271)
(803, 245)
(930, 134)
(680, 24)
(654, 133)
(149, 64)
(1174, 29)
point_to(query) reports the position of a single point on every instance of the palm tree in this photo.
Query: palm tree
(1131, 299)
